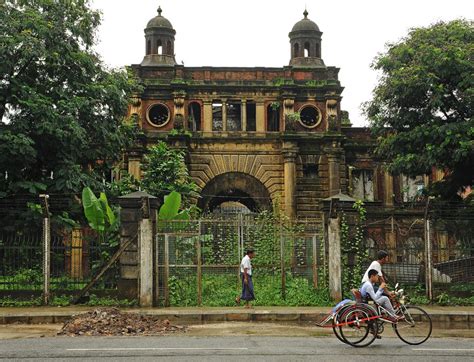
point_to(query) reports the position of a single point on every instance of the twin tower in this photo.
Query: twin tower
(305, 42)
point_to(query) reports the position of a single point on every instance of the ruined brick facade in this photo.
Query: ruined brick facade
(260, 135)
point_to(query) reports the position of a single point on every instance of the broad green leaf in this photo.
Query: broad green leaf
(107, 209)
(93, 210)
(170, 207)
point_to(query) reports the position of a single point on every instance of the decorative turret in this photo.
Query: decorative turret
(305, 40)
(159, 42)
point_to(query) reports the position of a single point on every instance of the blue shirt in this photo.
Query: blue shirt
(368, 289)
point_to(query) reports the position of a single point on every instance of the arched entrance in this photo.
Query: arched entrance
(235, 187)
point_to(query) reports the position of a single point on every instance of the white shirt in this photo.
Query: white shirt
(375, 265)
(245, 263)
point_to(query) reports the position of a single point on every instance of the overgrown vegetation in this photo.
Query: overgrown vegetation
(165, 171)
(221, 290)
(269, 232)
(354, 252)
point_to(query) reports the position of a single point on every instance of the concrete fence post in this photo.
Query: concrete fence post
(334, 238)
(138, 220)
(46, 236)
(145, 246)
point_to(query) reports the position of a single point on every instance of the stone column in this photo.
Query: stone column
(288, 108)
(334, 176)
(134, 164)
(207, 116)
(224, 115)
(260, 116)
(290, 151)
(388, 188)
(243, 114)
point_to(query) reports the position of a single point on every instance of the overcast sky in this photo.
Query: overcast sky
(253, 33)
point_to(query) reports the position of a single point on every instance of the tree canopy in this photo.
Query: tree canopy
(61, 108)
(422, 106)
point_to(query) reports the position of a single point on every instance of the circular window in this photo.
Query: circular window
(310, 116)
(158, 115)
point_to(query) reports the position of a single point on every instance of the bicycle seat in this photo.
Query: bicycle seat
(357, 295)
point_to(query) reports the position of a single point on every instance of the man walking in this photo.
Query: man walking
(246, 276)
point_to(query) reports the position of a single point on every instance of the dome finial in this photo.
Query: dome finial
(159, 10)
(305, 13)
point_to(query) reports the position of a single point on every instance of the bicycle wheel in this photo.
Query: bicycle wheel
(416, 327)
(335, 322)
(357, 329)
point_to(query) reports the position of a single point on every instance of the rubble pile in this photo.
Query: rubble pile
(112, 322)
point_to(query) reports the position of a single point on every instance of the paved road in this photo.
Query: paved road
(249, 348)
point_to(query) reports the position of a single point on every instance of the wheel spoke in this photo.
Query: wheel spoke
(416, 327)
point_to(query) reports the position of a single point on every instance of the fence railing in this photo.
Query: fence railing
(450, 264)
(74, 258)
(198, 262)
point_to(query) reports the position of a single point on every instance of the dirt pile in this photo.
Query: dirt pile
(112, 322)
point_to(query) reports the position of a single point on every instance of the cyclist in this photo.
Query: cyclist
(382, 258)
(367, 290)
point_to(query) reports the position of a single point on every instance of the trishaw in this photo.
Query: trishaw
(358, 323)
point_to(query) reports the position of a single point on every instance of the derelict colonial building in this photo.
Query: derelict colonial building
(260, 135)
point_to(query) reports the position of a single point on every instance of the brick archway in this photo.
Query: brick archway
(235, 186)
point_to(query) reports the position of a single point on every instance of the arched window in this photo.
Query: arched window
(273, 117)
(296, 50)
(159, 47)
(169, 51)
(194, 116)
(306, 50)
(148, 47)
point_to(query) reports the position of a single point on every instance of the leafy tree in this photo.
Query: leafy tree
(165, 170)
(422, 106)
(61, 109)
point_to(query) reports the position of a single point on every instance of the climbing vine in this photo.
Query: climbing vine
(354, 251)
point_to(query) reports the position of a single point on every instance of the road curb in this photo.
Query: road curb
(460, 320)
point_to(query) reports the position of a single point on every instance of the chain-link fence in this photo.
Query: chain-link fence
(198, 262)
(44, 251)
(76, 254)
(429, 254)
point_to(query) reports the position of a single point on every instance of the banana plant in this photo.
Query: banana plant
(170, 208)
(169, 215)
(98, 212)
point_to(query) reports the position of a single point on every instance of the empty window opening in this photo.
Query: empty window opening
(306, 50)
(217, 115)
(310, 171)
(169, 49)
(234, 116)
(363, 184)
(148, 47)
(251, 116)
(273, 117)
(296, 50)
(159, 47)
(412, 188)
(194, 116)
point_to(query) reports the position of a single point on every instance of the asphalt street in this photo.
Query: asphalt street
(236, 348)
